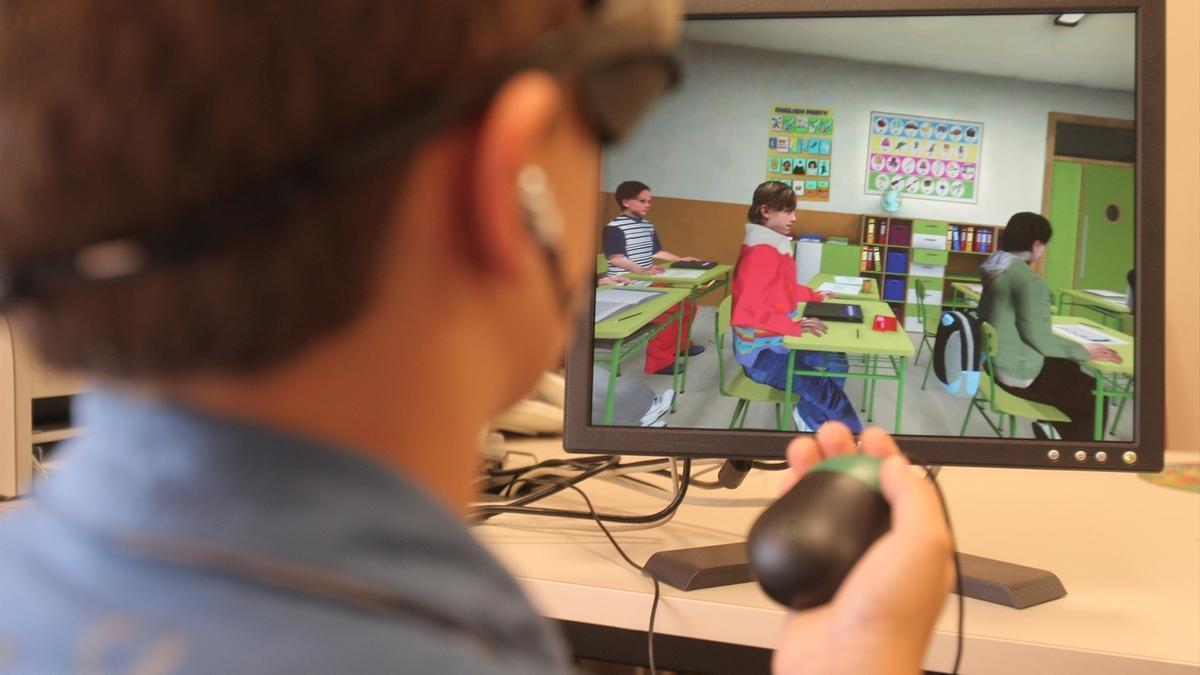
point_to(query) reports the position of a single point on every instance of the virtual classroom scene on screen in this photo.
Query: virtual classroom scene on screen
(909, 143)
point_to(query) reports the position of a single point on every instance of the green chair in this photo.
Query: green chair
(927, 336)
(601, 265)
(744, 389)
(990, 397)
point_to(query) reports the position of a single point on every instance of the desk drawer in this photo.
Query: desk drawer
(930, 256)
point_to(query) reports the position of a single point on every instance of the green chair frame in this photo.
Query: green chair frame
(926, 336)
(744, 389)
(1001, 403)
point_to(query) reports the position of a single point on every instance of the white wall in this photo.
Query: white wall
(708, 140)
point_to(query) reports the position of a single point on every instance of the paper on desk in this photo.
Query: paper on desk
(609, 301)
(978, 288)
(844, 289)
(1087, 335)
(1106, 294)
(682, 274)
(857, 281)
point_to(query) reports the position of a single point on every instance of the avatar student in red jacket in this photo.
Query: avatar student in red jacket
(765, 309)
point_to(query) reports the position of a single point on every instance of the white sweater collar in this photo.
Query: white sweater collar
(761, 235)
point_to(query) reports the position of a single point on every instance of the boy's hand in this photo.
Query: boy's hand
(814, 326)
(653, 269)
(882, 616)
(689, 259)
(1101, 353)
(826, 295)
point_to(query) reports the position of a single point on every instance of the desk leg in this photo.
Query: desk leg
(900, 369)
(1101, 399)
(791, 367)
(614, 365)
(678, 379)
(872, 368)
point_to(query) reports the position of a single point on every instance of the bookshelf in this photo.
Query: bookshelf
(897, 251)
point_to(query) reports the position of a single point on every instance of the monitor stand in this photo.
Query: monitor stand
(984, 579)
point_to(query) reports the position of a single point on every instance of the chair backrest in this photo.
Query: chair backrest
(987, 334)
(722, 327)
(601, 264)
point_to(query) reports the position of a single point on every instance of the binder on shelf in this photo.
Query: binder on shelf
(970, 238)
(870, 231)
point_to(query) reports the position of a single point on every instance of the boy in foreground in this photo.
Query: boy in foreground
(221, 213)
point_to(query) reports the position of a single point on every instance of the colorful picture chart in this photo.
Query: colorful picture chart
(799, 149)
(924, 157)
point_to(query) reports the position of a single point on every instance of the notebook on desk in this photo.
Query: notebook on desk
(833, 311)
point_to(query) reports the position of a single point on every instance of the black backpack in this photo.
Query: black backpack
(958, 351)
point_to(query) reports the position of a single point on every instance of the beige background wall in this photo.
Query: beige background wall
(1183, 225)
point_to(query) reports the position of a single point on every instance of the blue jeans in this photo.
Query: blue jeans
(820, 398)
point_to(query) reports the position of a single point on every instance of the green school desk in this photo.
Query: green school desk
(1116, 311)
(819, 279)
(714, 278)
(625, 331)
(1113, 380)
(970, 292)
(894, 347)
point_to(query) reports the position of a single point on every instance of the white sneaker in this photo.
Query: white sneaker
(658, 408)
(800, 425)
(657, 423)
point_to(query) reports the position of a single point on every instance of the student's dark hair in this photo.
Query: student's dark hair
(1022, 230)
(772, 194)
(630, 189)
(116, 116)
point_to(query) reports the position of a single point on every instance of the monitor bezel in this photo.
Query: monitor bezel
(580, 435)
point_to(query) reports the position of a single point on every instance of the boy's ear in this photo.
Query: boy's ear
(511, 135)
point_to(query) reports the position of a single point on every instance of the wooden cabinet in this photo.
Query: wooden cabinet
(34, 410)
(897, 251)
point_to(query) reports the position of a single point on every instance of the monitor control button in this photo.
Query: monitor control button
(1053, 455)
(1129, 457)
(1101, 456)
(1080, 456)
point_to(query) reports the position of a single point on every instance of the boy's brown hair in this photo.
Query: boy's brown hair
(629, 189)
(115, 117)
(773, 194)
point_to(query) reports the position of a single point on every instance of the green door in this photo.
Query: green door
(1105, 247)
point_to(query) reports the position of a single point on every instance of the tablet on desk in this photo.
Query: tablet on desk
(694, 264)
(832, 311)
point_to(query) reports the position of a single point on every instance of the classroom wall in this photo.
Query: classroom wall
(1183, 226)
(709, 140)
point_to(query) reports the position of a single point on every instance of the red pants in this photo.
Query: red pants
(660, 352)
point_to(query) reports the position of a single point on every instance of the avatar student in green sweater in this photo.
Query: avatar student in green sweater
(1031, 361)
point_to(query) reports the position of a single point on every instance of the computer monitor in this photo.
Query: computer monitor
(911, 132)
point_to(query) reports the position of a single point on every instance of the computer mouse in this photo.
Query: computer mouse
(803, 546)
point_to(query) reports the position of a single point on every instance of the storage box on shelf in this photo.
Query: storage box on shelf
(895, 251)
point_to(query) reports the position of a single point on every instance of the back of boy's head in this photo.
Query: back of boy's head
(629, 189)
(1022, 230)
(116, 117)
(773, 194)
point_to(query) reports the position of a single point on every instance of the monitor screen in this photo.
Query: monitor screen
(944, 224)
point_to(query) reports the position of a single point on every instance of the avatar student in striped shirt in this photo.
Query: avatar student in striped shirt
(631, 245)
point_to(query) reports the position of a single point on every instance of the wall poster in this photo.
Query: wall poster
(924, 157)
(799, 150)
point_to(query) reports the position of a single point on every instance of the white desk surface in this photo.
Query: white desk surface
(1127, 551)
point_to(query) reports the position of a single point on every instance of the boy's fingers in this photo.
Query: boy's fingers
(802, 455)
(834, 438)
(878, 443)
(917, 514)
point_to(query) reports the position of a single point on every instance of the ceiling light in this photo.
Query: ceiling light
(1069, 20)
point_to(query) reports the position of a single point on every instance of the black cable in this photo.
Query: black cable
(657, 589)
(769, 466)
(958, 580)
(481, 513)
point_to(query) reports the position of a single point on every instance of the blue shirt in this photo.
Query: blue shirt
(176, 542)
